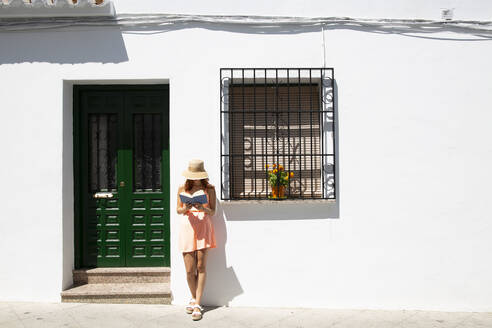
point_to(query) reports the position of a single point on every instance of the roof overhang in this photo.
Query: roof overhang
(55, 8)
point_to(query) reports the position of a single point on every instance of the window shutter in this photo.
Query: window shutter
(274, 124)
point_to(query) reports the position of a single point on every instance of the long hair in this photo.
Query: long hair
(189, 184)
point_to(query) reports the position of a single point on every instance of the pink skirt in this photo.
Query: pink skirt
(196, 231)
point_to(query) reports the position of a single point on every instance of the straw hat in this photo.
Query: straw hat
(196, 170)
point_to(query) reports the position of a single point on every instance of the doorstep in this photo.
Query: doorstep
(120, 285)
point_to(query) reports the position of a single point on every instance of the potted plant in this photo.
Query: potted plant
(278, 179)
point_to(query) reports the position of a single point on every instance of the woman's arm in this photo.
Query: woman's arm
(180, 207)
(212, 200)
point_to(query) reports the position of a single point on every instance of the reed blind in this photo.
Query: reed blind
(274, 124)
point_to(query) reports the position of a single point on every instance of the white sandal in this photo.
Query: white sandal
(197, 315)
(189, 307)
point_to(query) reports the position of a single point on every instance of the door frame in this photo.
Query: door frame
(77, 89)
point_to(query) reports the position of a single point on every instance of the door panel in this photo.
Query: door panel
(149, 228)
(122, 151)
(103, 145)
(102, 225)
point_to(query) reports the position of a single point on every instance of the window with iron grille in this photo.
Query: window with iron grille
(277, 117)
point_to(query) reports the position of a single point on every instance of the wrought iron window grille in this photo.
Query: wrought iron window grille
(281, 116)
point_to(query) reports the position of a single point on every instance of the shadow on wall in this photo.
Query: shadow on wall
(301, 210)
(104, 44)
(65, 46)
(67, 188)
(222, 284)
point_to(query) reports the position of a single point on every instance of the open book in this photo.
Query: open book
(197, 197)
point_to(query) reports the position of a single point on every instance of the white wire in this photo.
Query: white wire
(166, 21)
(324, 47)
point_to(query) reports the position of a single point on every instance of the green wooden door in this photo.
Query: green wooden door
(121, 167)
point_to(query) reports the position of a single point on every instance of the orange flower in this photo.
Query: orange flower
(280, 167)
(291, 174)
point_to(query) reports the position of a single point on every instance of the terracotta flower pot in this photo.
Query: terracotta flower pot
(278, 191)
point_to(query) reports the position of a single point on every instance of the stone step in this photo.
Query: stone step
(121, 275)
(135, 293)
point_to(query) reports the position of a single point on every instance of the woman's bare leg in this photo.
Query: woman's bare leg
(201, 268)
(191, 277)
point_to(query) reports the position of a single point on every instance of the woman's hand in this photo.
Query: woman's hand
(185, 208)
(199, 206)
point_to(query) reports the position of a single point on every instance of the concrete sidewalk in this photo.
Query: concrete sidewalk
(22, 314)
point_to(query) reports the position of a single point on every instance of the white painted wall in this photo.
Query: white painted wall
(423, 9)
(412, 226)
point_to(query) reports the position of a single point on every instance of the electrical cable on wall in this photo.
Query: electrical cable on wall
(168, 21)
(324, 47)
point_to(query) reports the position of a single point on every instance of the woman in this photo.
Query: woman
(196, 233)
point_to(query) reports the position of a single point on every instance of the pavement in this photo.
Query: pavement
(31, 314)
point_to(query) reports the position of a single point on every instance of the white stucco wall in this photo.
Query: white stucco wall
(423, 9)
(411, 228)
